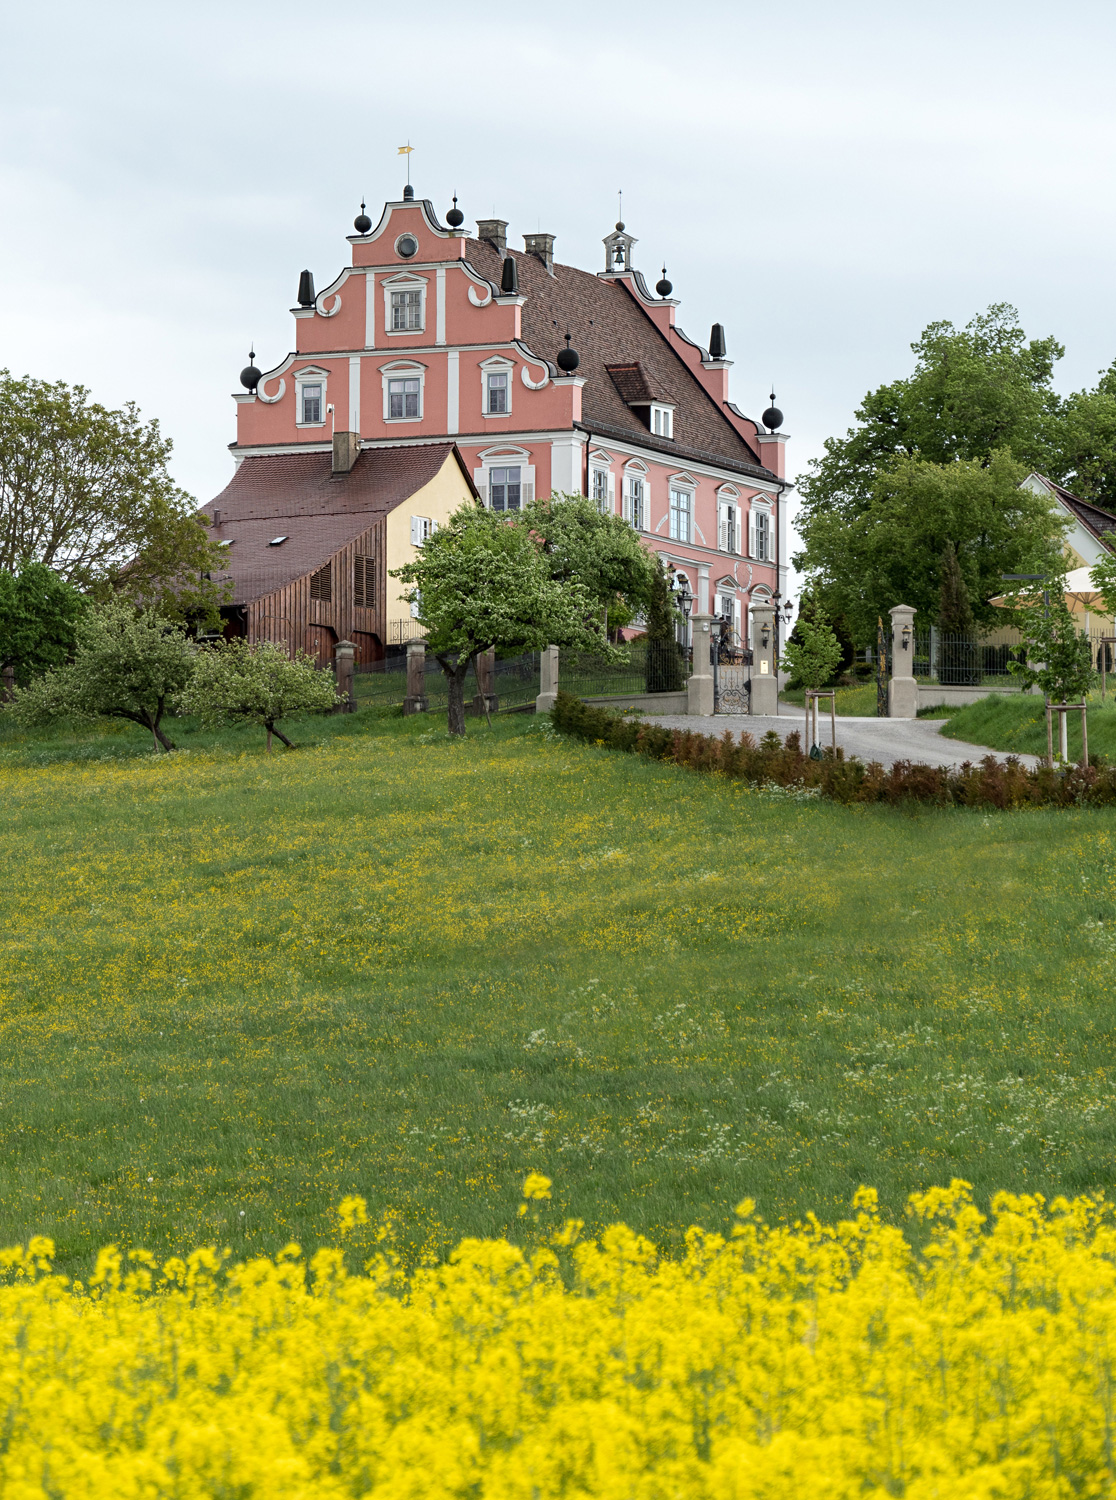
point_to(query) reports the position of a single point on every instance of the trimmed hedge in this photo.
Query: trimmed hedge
(990, 783)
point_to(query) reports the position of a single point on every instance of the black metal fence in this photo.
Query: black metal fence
(384, 683)
(965, 661)
(651, 667)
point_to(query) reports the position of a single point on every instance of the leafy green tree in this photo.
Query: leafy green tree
(483, 580)
(973, 390)
(955, 611)
(664, 657)
(890, 551)
(86, 491)
(126, 665)
(39, 613)
(237, 683)
(600, 551)
(1084, 439)
(813, 652)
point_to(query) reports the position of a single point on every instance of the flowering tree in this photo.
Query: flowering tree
(238, 683)
(483, 580)
(39, 613)
(126, 666)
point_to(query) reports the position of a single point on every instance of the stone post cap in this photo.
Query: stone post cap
(345, 648)
(764, 607)
(902, 609)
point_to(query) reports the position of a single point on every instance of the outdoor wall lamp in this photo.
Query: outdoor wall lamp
(685, 599)
(765, 635)
(906, 637)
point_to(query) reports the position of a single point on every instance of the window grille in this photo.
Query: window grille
(364, 582)
(505, 488)
(680, 502)
(311, 403)
(321, 584)
(406, 312)
(403, 398)
(497, 394)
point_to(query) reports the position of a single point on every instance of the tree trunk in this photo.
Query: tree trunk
(269, 725)
(455, 681)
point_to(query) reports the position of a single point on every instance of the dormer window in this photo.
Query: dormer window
(662, 421)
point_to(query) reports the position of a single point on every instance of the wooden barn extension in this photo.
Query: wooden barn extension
(311, 542)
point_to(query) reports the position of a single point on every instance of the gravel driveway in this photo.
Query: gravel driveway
(885, 740)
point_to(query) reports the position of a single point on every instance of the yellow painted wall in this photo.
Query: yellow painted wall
(438, 500)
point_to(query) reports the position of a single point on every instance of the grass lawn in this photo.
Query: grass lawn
(234, 988)
(859, 701)
(1018, 722)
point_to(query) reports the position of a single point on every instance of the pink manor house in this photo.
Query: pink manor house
(513, 376)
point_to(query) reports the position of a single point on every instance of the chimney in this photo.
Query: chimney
(495, 231)
(346, 449)
(541, 245)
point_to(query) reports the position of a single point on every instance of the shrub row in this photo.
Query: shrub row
(990, 783)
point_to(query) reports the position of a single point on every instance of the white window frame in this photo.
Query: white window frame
(505, 458)
(496, 366)
(311, 376)
(635, 473)
(688, 490)
(602, 482)
(754, 550)
(662, 420)
(422, 529)
(404, 283)
(403, 370)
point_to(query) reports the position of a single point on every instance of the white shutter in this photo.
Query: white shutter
(611, 493)
(722, 528)
(751, 533)
(527, 492)
(433, 527)
(626, 498)
(416, 532)
(482, 491)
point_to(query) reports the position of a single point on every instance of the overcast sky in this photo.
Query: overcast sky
(824, 178)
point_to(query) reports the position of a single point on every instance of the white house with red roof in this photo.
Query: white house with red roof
(431, 336)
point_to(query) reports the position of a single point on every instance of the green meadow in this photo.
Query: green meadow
(1017, 723)
(234, 988)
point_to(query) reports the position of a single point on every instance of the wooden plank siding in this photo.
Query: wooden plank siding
(289, 616)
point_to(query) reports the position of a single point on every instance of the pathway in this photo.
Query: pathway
(885, 740)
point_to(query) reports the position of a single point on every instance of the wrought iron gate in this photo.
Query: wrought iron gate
(883, 667)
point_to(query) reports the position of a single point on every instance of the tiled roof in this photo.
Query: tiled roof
(1101, 523)
(609, 328)
(634, 384)
(296, 495)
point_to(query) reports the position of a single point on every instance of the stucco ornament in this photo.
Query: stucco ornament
(328, 312)
(279, 394)
(480, 301)
(534, 385)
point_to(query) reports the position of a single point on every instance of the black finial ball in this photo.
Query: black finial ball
(620, 226)
(455, 218)
(408, 193)
(663, 286)
(250, 377)
(772, 418)
(362, 223)
(568, 359)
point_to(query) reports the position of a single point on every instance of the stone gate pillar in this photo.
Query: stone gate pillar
(486, 682)
(699, 689)
(344, 658)
(548, 680)
(765, 683)
(902, 690)
(415, 701)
